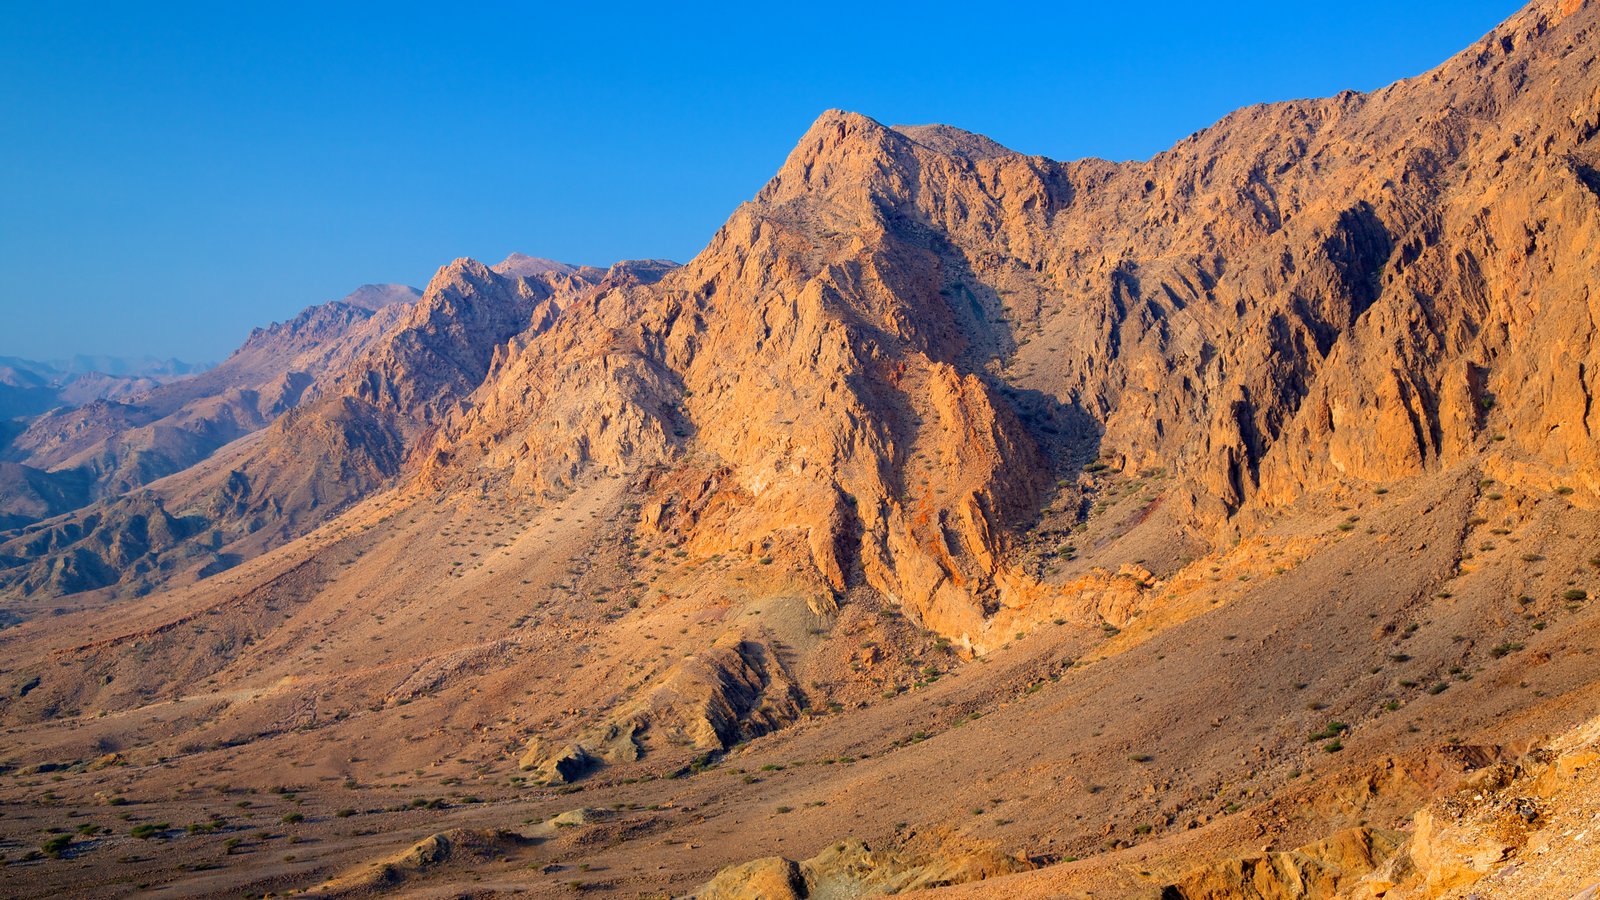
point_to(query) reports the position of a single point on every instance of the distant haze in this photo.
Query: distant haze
(171, 177)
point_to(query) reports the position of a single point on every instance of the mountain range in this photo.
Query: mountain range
(957, 522)
(29, 387)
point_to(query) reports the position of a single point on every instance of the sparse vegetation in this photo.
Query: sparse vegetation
(1500, 650)
(1331, 730)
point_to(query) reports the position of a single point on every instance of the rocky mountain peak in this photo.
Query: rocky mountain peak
(459, 274)
(520, 265)
(835, 153)
(374, 297)
(954, 142)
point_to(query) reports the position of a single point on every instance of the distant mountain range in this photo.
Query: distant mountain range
(29, 387)
(64, 370)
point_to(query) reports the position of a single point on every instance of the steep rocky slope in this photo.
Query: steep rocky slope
(931, 331)
(1181, 525)
(123, 444)
(106, 448)
(343, 393)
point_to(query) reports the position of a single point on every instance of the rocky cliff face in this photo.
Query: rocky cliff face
(889, 357)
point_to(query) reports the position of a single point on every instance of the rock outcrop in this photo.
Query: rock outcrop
(1320, 871)
(847, 869)
(1515, 829)
(458, 846)
(732, 692)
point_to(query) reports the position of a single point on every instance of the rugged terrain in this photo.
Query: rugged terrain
(957, 521)
(76, 448)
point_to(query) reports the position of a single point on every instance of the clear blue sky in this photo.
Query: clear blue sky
(171, 175)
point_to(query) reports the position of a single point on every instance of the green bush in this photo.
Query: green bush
(1331, 730)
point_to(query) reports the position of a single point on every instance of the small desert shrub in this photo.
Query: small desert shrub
(54, 847)
(1508, 647)
(1331, 730)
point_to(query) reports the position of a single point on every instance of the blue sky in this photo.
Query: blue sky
(172, 175)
